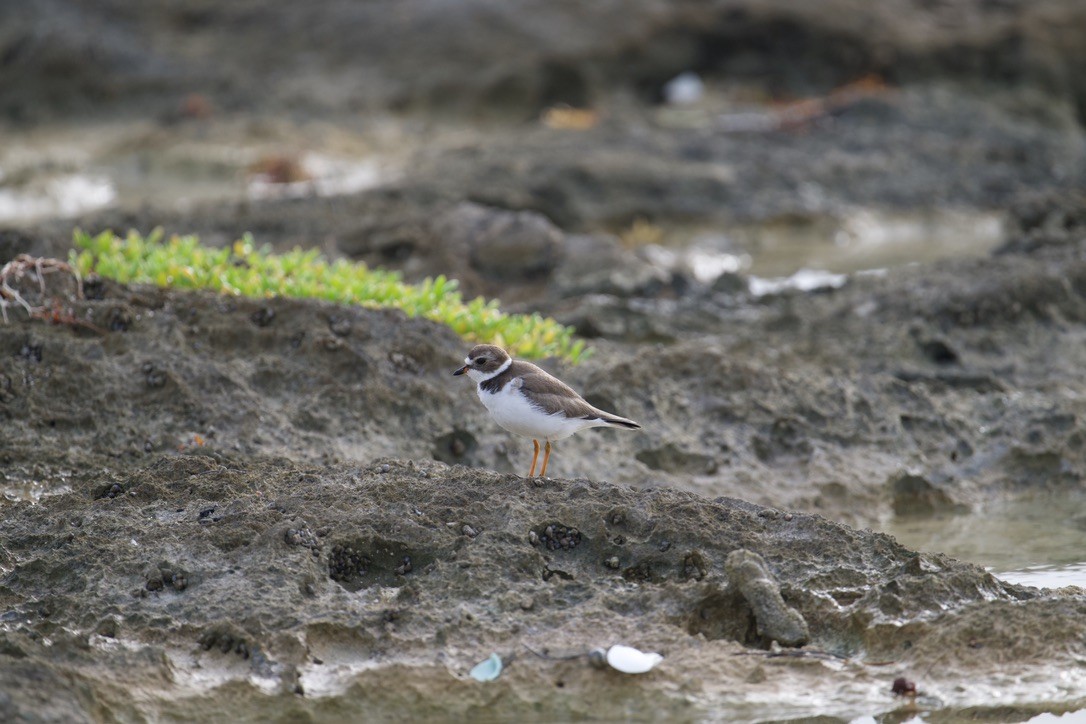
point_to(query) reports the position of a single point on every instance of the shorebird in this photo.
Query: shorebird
(528, 401)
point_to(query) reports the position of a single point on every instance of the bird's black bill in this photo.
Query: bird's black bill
(461, 371)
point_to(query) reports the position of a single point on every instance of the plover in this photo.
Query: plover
(527, 401)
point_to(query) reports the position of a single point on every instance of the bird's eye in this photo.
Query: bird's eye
(480, 361)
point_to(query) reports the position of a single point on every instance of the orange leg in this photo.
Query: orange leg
(546, 457)
(535, 457)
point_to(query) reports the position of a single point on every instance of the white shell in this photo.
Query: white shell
(488, 669)
(684, 89)
(629, 660)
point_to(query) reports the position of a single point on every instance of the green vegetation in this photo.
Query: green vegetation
(242, 269)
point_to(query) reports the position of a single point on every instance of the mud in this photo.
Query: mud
(921, 391)
(514, 59)
(902, 150)
(220, 509)
(220, 532)
(218, 587)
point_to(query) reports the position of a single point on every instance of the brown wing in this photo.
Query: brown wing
(551, 394)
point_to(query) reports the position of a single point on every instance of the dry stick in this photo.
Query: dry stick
(796, 654)
(7, 295)
(58, 316)
(804, 112)
(549, 657)
(17, 267)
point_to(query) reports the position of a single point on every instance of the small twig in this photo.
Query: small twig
(13, 296)
(549, 657)
(58, 316)
(804, 112)
(795, 654)
(41, 274)
(23, 264)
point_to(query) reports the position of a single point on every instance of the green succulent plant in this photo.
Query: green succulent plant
(182, 262)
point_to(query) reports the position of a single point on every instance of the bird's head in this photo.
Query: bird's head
(483, 362)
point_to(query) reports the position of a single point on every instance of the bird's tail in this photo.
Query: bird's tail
(616, 421)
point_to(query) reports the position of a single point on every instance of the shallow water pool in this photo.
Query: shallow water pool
(1036, 541)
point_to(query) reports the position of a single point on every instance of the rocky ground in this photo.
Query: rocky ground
(229, 539)
(369, 590)
(231, 509)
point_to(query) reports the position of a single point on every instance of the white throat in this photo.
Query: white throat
(484, 376)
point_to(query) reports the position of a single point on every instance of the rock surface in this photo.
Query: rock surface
(774, 619)
(287, 584)
(224, 529)
(221, 509)
(517, 57)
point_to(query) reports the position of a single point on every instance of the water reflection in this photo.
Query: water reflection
(820, 250)
(59, 196)
(1036, 541)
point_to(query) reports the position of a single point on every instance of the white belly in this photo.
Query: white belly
(512, 411)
